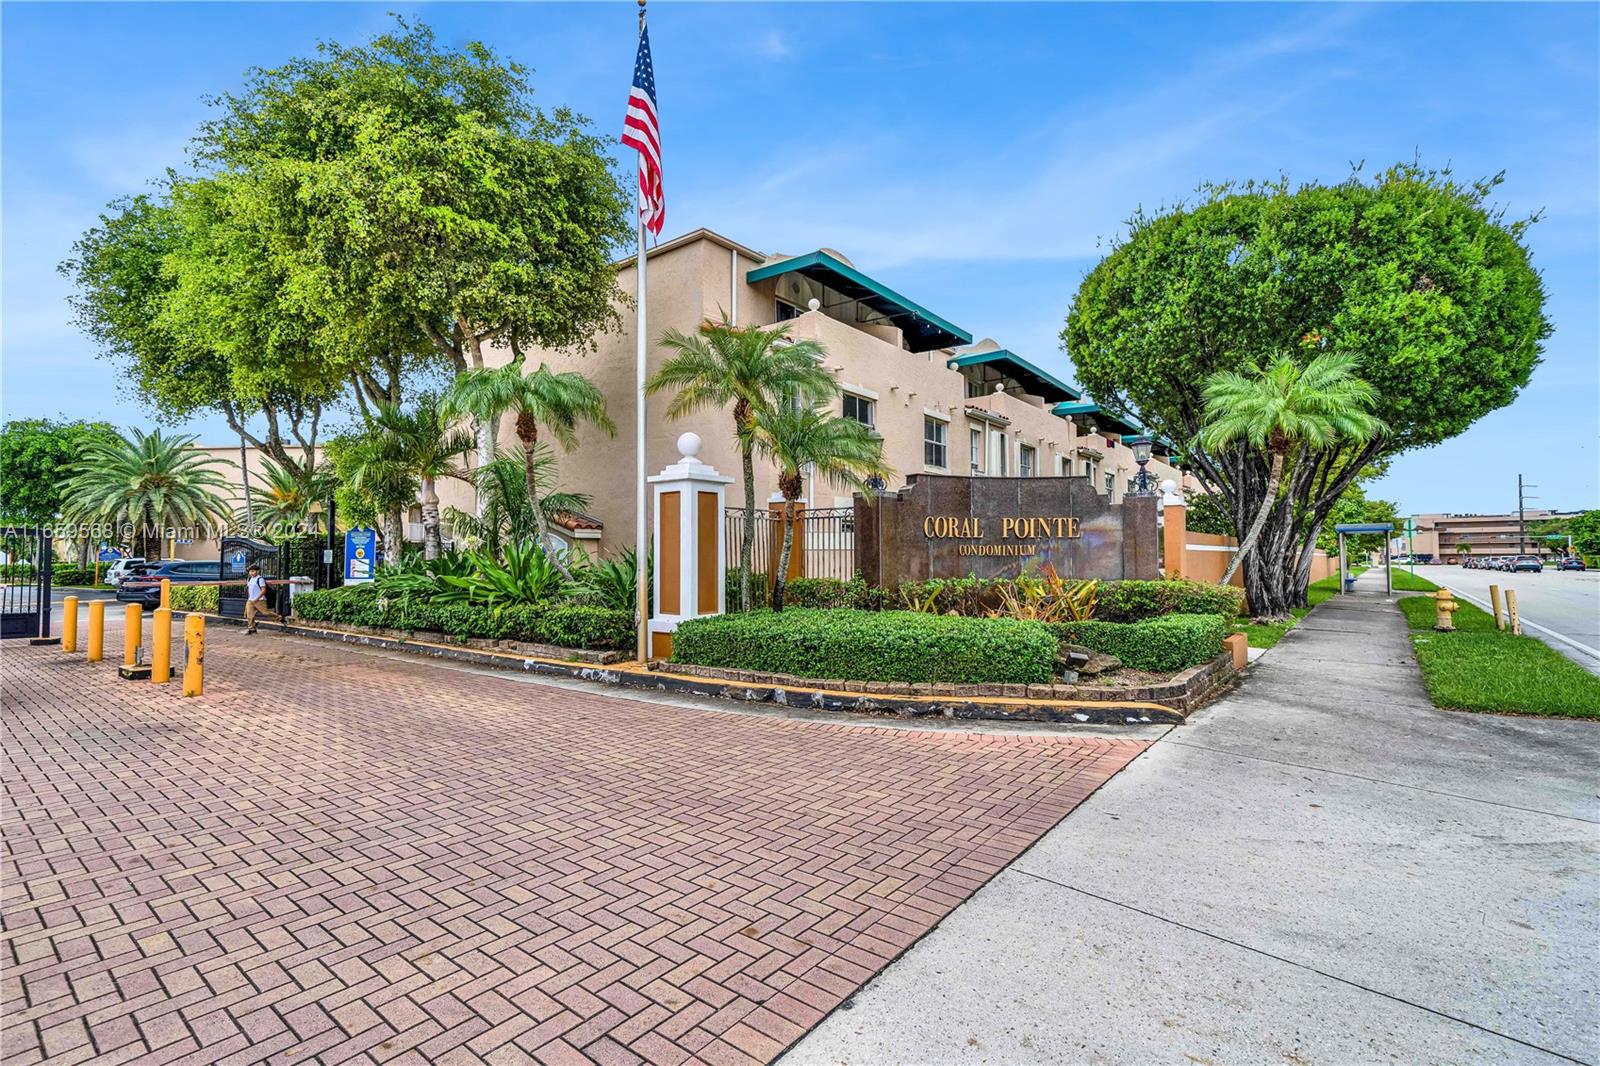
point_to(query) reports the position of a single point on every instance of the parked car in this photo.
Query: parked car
(1572, 562)
(143, 585)
(1527, 564)
(120, 569)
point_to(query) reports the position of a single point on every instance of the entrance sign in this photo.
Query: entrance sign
(944, 527)
(360, 555)
(108, 555)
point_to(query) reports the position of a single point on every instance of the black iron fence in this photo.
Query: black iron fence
(25, 582)
(824, 541)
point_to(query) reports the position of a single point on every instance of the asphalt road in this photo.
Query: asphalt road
(1562, 608)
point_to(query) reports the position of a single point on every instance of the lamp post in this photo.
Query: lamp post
(1142, 445)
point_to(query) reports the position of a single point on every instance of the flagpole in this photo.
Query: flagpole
(641, 547)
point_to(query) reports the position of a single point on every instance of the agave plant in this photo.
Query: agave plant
(418, 575)
(528, 575)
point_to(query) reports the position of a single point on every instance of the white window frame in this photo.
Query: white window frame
(1027, 460)
(929, 422)
(871, 403)
(975, 448)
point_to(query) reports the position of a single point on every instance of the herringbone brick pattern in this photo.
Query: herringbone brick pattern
(340, 857)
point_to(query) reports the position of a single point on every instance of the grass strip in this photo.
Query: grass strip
(1479, 668)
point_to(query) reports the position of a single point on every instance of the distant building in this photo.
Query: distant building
(1443, 536)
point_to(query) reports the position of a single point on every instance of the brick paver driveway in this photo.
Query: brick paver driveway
(341, 856)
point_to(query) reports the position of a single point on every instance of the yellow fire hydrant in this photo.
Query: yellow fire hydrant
(1445, 608)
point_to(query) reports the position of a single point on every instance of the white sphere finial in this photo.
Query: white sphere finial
(689, 445)
(1168, 487)
(814, 303)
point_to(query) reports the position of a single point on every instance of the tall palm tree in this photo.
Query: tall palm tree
(421, 442)
(838, 450)
(753, 370)
(559, 402)
(147, 482)
(507, 515)
(285, 499)
(372, 468)
(1282, 408)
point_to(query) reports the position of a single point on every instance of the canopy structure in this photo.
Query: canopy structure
(1009, 364)
(923, 330)
(1345, 529)
(1120, 424)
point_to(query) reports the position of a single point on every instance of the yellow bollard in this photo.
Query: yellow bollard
(1494, 601)
(161, 645)
(97, 630)
(1513, 619)
(69, 624)
(166, 594)
(132, 633)
(1444, 609)
(194, 635)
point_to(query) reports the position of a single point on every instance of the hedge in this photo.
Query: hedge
(195, 598)
(855, 645)
(817, 592)
(568, 625)
(1134, 601)
(1173, 642)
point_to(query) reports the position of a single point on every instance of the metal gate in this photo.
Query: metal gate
(239, 554)
(25, 583)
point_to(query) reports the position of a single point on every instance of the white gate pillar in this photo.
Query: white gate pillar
(690, 564)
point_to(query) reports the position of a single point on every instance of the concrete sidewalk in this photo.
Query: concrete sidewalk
(1320, 869)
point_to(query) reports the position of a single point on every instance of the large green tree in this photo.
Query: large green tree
(1413, 273)
(35, 454)
(403, 189)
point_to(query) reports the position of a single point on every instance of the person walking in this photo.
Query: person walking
(256, 600)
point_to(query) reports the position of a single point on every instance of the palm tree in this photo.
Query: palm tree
(507, 515)
(560, 402)
(147, 482)
(373, 470)
(1282, 408)
(838, 450)
(421, 442)
(753, 370)
(285, 500)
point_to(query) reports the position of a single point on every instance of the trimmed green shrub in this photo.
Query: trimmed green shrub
(67, 574)
(569, 625)
(860, 645)
(815, 592)
(197, 598)
(1173, 642)
(1134, 601)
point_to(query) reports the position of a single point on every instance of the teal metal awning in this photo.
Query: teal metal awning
(1113, 420)
(1011, 365)
(923, 330)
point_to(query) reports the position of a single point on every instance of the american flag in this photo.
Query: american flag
(642, 130)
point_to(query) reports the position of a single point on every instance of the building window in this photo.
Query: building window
(1005, 454)
(975, 441)
(934, 452)
(1027, 461)
(861, 409)
(1111, 486)
(1063, 466)
(785, 311)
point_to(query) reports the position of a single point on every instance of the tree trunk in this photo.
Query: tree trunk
(528, 434)
(782, 578)
(394, 536)
(747, 547)
(485, 430)
(1269, 500)
(430, 520)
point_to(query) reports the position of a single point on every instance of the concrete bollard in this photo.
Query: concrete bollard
(194, 637)
(97, 630)
(69, 624)
(1513, 619)
(161, 645)
(1494, 601)
(132, 633)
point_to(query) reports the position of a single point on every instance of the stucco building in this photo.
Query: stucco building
(1443, 535)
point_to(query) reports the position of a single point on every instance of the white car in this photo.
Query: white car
(120, 568)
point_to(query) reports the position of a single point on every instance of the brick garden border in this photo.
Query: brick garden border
(1168, 703)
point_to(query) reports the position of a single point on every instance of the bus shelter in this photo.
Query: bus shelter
(1353, 528)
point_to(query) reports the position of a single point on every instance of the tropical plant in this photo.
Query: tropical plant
(419, 441)
(831, 448)
(147, 482)
(417, 575)
(920, 600)
(284, 500)
(503, 490)
(1464, 548)
(1284, 408)
(1046, 597)
(559, 402)
(752, 369)
(528, 574)
(373, 484)
(1417, 273)
(611, 583)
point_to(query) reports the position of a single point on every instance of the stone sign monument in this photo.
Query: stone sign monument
(942, 526)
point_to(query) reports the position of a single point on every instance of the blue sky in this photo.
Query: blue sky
(973, 156)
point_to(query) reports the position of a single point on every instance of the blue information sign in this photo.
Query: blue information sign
(360, 555)
(108, 555)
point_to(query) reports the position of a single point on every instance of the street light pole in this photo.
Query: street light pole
(1522, 515)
